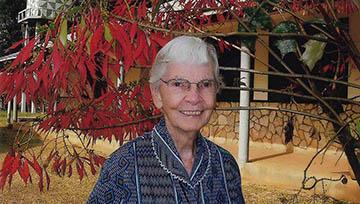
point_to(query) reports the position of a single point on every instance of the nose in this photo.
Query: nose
(193, 95)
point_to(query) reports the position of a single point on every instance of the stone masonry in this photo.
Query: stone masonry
(268, 125)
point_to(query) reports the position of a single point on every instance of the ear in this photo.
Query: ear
(155, 93)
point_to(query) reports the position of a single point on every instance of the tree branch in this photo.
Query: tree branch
(278, 109)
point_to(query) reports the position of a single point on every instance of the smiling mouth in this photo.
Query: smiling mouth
(191, 113)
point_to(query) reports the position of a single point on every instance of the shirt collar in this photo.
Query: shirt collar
(169, 158)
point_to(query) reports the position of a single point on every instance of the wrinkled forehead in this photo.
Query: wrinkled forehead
(189, 70)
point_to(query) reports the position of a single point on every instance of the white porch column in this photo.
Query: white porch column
(33, 107)
(14, 115)
(243, 152)
(120, 80)
(9, 118)
(23, 102)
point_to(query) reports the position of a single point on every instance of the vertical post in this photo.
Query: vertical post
(14, 110)
(33, 108)
(243, 152)
(23, 96)
(120, 80)
(9, 118)
(55, 106)
(23, 102)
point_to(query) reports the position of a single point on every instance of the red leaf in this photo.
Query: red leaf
(37, 62)
(56, 165)
(19, 82)
(47, 180)
(221, 46)
(122, 38)
(96, 39)
(342, 68)
(24, 54)
(15, 45)
(99, 160)
(57, 61)
(80, 169)
(141, 45)
(63, 167)
(24, 171)
(6, 168)
(326, 68)
(142, 10)
(15, 165)
(70, 170)
(153, 52)
(92, 167)
(36, 166)
(133, 30)
(10, 179)
(220, 17)
(160, 40)
(108, 100)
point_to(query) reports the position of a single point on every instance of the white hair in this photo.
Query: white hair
(184, 49)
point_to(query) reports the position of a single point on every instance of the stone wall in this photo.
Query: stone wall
(268, 125)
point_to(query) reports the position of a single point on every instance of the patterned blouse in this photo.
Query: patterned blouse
(149, 170)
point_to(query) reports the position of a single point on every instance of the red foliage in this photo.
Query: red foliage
(78, 76)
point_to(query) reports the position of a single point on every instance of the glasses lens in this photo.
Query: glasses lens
(207, 84)
(179, 83)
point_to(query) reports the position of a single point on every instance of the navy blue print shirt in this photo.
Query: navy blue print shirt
(149, 170)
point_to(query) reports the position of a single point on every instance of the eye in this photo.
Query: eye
(177, 83)
(206, 84)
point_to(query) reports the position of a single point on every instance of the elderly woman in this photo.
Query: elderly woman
(174, 163)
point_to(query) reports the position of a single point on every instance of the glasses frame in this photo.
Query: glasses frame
(198, 84)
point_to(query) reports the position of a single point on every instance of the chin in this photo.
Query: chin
(192, 127)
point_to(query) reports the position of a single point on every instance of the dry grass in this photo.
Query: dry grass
(62, 190)
(71, 190)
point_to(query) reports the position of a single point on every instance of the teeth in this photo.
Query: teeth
(191, 113)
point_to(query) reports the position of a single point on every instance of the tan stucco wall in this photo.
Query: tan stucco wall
(261, 81)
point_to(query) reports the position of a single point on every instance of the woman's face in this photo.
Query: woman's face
(187, 107)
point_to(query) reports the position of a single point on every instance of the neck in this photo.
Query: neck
(184, 141)
(185, 145)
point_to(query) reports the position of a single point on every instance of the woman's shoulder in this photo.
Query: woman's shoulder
(126, 153)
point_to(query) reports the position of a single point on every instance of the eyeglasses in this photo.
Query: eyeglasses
(205, 85)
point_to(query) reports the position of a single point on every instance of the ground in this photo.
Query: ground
(72, 190)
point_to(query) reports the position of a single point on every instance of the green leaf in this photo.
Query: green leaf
(314, 51)
(258, 18)
(265, 5)
(286, 27)
(82, 23)
(317, 21)
(357, 122)
(157, 7)
(250, 41)
(63, 32)
(286, 45)
(52, 25)
(107, 34)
